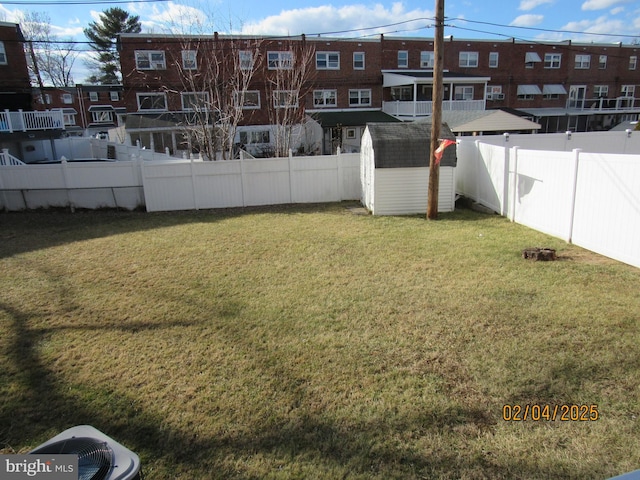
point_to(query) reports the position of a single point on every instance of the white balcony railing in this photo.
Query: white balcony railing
(605, 104)
(26, 121)
(421, 109)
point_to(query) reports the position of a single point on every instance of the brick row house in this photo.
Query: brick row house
(562, 86)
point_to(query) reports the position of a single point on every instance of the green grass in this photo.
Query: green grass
(310, 342)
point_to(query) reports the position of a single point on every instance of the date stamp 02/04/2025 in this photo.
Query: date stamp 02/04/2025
(550, 413)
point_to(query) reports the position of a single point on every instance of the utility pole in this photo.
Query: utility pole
(436, 116)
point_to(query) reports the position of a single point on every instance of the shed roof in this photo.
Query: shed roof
(401, 145)
(487, 121)
(351, 118)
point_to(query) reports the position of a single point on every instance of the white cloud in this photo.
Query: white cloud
(601, 25)
(330, 19)
(531, 4)
(600, 4)
(617, 10)
(528, 20)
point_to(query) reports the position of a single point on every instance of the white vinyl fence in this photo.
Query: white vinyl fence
(590, 199)
(189, 184)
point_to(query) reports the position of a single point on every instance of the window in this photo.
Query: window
(114, 96)
(324, 98)
(351, 133)
(150, 60)
(250, 100)
(628, 90)
(601, 91)
(493, 59)
(530, 59)
(602, 62)
(47, 99)
(633, 62)
(552, 60)
(583, 62)
(3, 54)
(67, 98)
(69, 118)
(327, 60)
(468, 59)
(403, 59)
(494, 92)
(427, 59)
(254, 136)
(246, 59)
(152, 101)
(102, 117)
(403, 93)
(93, 96)
(358, 60)
(189, 61)
(195, 101)
(463, 93)
(285, 98)
(279, 60)
(359, 98)
(553, 91)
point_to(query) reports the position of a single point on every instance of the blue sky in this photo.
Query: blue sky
(598, 21)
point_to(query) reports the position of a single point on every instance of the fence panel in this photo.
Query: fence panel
(607, 213)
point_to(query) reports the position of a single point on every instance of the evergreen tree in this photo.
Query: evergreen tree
(103, 35)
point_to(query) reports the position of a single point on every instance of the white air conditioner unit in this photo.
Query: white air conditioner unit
(498, 96)
(489, 96)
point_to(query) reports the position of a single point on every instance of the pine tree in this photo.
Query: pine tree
(103, 35)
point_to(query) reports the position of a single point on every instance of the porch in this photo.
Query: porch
(22, 121)
(424, 108)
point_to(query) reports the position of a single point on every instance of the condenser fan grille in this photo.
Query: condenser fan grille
(95, 458)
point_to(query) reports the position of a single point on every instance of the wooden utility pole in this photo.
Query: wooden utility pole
(436, 116)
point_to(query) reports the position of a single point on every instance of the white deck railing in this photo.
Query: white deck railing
(421, 109)
(21, 121)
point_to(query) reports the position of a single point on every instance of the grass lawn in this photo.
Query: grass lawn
(312, 342)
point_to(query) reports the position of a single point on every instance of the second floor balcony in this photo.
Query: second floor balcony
(419, 108)
(22, 121)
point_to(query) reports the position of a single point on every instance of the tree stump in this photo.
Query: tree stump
(539, 254)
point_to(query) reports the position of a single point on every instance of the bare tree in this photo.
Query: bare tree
(215, 75)
(49, 59)
(288, 79)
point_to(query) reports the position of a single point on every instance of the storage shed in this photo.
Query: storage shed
(394, 168)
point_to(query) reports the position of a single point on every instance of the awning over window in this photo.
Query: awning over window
(101, 108)
(553, 90)
(531, 57)
(529, 90)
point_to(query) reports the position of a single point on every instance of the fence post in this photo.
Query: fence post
(339, 173)
(514, 185)
(476, 173)
(24, 127)
(290, 176)
(67, 186)
(504, 205)
(574, 188)
(193, 185)
(9, 122)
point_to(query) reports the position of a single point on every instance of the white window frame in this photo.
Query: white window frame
(602, 62)
(361, 94)
(427, 59)
(151, 60)
(3, 54)
(468, 60)
(327, 60)
(280, 60)
(102, 117)
(462, 93)
(402, 93)
(69, 119)
(140, 96)
(356, 61)
(93, 96)
(601, 91)
(494, 59)
(583, 61)
(403, 58)
(114, 96)
(245, 58)
(628, 90)
(189, 60)
(285, 99)
(254, 137)
(202, 106)
(494, 92)
(325, 98)
(67, 98)
(249, 106)
(633, 62)
(552, 60)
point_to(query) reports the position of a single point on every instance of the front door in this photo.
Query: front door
(577, 94)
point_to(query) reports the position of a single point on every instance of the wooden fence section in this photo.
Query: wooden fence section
(189, 184)
(590, 199)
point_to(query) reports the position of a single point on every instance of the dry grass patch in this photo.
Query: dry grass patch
(310, 342)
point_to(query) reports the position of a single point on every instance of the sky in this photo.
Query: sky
(597, 21)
